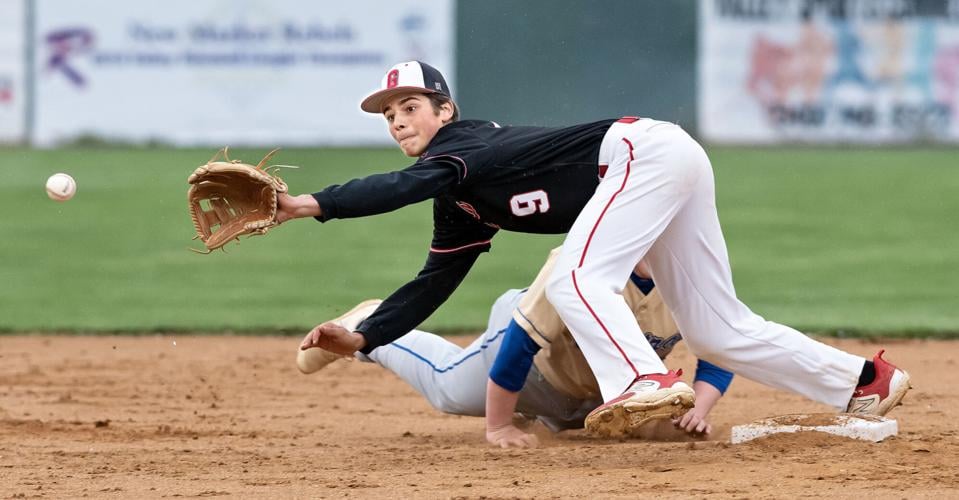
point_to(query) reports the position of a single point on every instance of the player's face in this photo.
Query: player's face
(413, 122)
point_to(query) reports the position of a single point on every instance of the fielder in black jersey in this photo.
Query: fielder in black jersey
(623, 190)
(482, 178)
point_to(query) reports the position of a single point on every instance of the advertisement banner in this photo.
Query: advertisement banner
(213, 73)
(12, 71)
(829, 71)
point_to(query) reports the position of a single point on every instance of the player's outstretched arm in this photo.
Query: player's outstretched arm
(334, 338)
(506, 378)
(296, 207)
(500, 431)
(694, 421)
(710, 385)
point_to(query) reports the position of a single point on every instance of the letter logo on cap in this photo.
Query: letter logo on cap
(393, 78)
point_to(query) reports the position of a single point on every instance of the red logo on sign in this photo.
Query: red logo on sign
(393, 78)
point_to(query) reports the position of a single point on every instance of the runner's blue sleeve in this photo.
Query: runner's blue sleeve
(713, 375)
(514, 359)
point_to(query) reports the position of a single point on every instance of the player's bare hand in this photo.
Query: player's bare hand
(333, 338)
(509, 436)
(694, 423)
(295, 207)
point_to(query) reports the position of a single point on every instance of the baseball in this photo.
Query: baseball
(61, 187)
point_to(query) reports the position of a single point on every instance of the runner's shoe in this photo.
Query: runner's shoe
(315, 359)
(654, 396)
(885, 391)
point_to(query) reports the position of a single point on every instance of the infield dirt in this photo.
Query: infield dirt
(202, 416)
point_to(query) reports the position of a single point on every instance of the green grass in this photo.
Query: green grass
(827, 240)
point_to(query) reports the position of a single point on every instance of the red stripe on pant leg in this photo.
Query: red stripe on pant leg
(611, 199)
(611, 339)
(583, 259)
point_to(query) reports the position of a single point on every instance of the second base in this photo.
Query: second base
(864, 427)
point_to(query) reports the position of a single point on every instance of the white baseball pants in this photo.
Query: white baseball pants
(657, 199)
(453, 378)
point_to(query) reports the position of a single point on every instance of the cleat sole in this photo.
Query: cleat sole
(627, 418)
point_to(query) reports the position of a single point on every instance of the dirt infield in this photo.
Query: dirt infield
(152, 417)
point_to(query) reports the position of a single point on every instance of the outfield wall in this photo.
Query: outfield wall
(551, 62)
(13, 99)
(829, 71)
(190, 72)
(292, 72)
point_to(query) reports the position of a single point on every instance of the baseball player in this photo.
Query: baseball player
(558, 389)
(623, 190)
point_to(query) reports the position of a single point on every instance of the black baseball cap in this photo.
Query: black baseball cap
(405, 77)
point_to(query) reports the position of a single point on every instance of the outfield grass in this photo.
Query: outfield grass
(826, 240)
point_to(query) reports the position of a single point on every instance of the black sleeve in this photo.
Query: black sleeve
(458, 240)
(381, 193)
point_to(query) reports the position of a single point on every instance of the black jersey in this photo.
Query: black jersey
(482, 178)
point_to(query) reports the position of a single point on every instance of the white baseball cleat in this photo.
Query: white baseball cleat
(315, 359)
(653, 396)
(885, 391)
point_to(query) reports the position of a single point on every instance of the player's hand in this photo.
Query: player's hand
(295, 207)
(509, 436)
(333, 338)
(694, 423)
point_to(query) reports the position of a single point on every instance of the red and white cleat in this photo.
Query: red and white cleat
(884, 393)
(650, 397)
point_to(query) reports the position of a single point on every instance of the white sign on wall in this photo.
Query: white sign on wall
(829, 70)
(216, 72)
(12, 62)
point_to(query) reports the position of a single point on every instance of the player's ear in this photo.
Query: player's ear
(446, 112)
